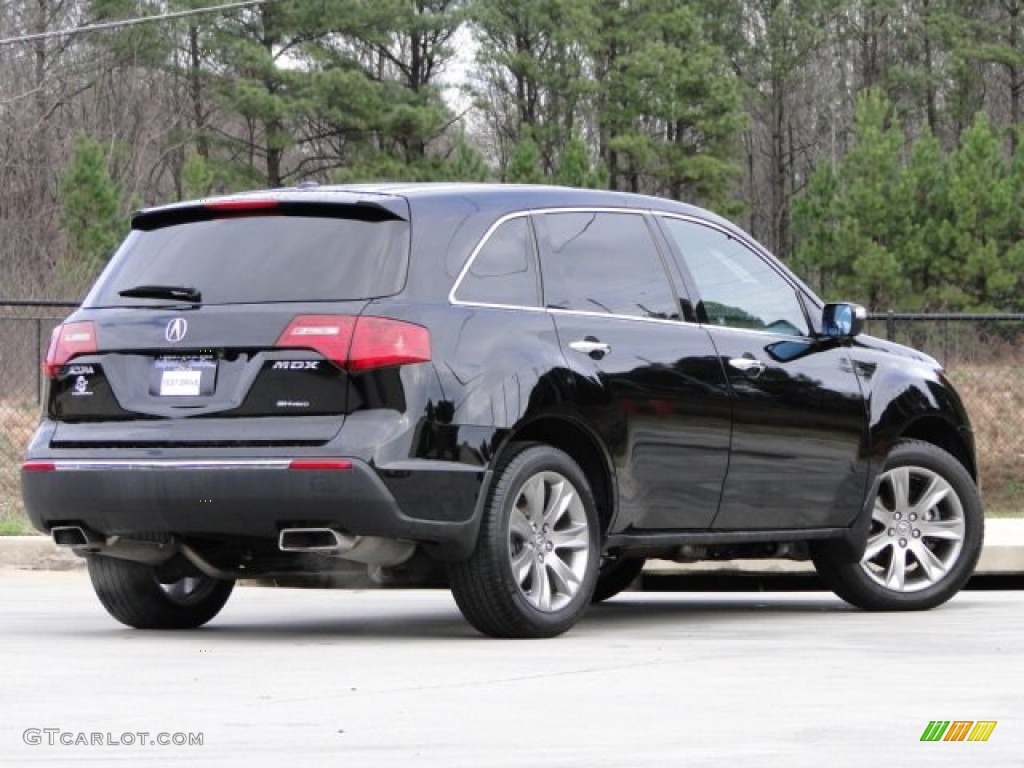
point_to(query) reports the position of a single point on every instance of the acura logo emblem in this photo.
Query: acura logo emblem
(176, 329)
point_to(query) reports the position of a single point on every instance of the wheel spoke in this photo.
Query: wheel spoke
(880, 514)
(562, 576)
(533, 493)
(896, 574)
(876, 544)
(573, 537)
(938, 489)
(541, 587)
(899, 480)
(950, 530)
(562, 495)
(933, 568)
(519, 526)
(522, 563)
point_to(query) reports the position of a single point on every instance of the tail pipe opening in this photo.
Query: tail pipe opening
(372, 550)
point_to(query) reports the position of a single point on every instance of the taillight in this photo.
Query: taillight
(359, 344)
(39, 466)
(67, 341)
(322, 464)
(379, 342)
(241, 205)
(330, 335)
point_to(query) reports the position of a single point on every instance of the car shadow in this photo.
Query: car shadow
(443, 622)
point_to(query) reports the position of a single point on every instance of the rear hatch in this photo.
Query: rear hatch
(229, 323)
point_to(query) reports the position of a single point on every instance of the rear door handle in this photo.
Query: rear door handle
(749, 365)
(590, 346)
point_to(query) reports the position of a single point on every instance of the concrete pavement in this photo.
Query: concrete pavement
(377, 679)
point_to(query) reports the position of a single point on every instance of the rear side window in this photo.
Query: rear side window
(262, 259)
(605, 262)
(505, 269)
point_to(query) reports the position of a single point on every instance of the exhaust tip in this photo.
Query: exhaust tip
(74, 536)
(313, 540)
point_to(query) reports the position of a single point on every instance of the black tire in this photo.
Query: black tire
(133, 595)
(615, 575)
(892, 575)
(485, 586)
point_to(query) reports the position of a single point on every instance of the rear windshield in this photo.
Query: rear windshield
(261, 259)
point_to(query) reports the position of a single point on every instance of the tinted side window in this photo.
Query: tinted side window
(504, 271)
(737, 287)
(605, 262)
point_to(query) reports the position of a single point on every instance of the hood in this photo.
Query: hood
(864, 341)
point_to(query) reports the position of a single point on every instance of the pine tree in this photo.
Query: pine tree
(924, 244)
(852, 222)
(90, 202)
(670, 106)
(524, 166)
(815, 214)
(197, 176)
(533, 71)
(574, 169)
(465, 163)
(984, 220)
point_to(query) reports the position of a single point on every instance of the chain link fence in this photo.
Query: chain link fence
(984, 358)
(25, 328)
(983, 355)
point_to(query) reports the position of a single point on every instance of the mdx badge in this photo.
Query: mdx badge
(176, 329)
(297, 365)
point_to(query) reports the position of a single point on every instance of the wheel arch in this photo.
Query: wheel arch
(940, 433)
(919, 403)
(583, 446)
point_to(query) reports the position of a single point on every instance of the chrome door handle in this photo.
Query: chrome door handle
(591, 347)
(749, 365)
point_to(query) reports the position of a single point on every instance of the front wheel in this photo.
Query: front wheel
(927, 527)
(132, 594)
(533, 571)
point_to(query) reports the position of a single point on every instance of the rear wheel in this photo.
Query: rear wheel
(615, 575)
(533, 571)
(132, 594)
(926, 532)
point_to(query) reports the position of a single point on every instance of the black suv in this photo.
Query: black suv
(537, 387)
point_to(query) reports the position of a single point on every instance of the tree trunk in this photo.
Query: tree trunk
(779, 212)
(195, 84)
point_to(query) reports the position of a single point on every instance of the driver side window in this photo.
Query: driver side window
(738, 288)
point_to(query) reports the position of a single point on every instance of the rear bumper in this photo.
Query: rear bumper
(253, 497)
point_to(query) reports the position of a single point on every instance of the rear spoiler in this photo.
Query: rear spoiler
(384, 209)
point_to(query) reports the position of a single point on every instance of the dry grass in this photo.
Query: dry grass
(994, 397)
(17, 422)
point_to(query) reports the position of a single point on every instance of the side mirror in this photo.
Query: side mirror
(843, 321)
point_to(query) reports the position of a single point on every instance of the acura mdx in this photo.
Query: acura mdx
(533, 389)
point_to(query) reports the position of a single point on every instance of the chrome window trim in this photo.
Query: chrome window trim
(584, 313)
(516, 215)
(635, 318)
(749, 244)
(759, 253)
(472, 258)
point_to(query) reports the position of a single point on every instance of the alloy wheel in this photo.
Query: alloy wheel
(917, 530)
(549, 541)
